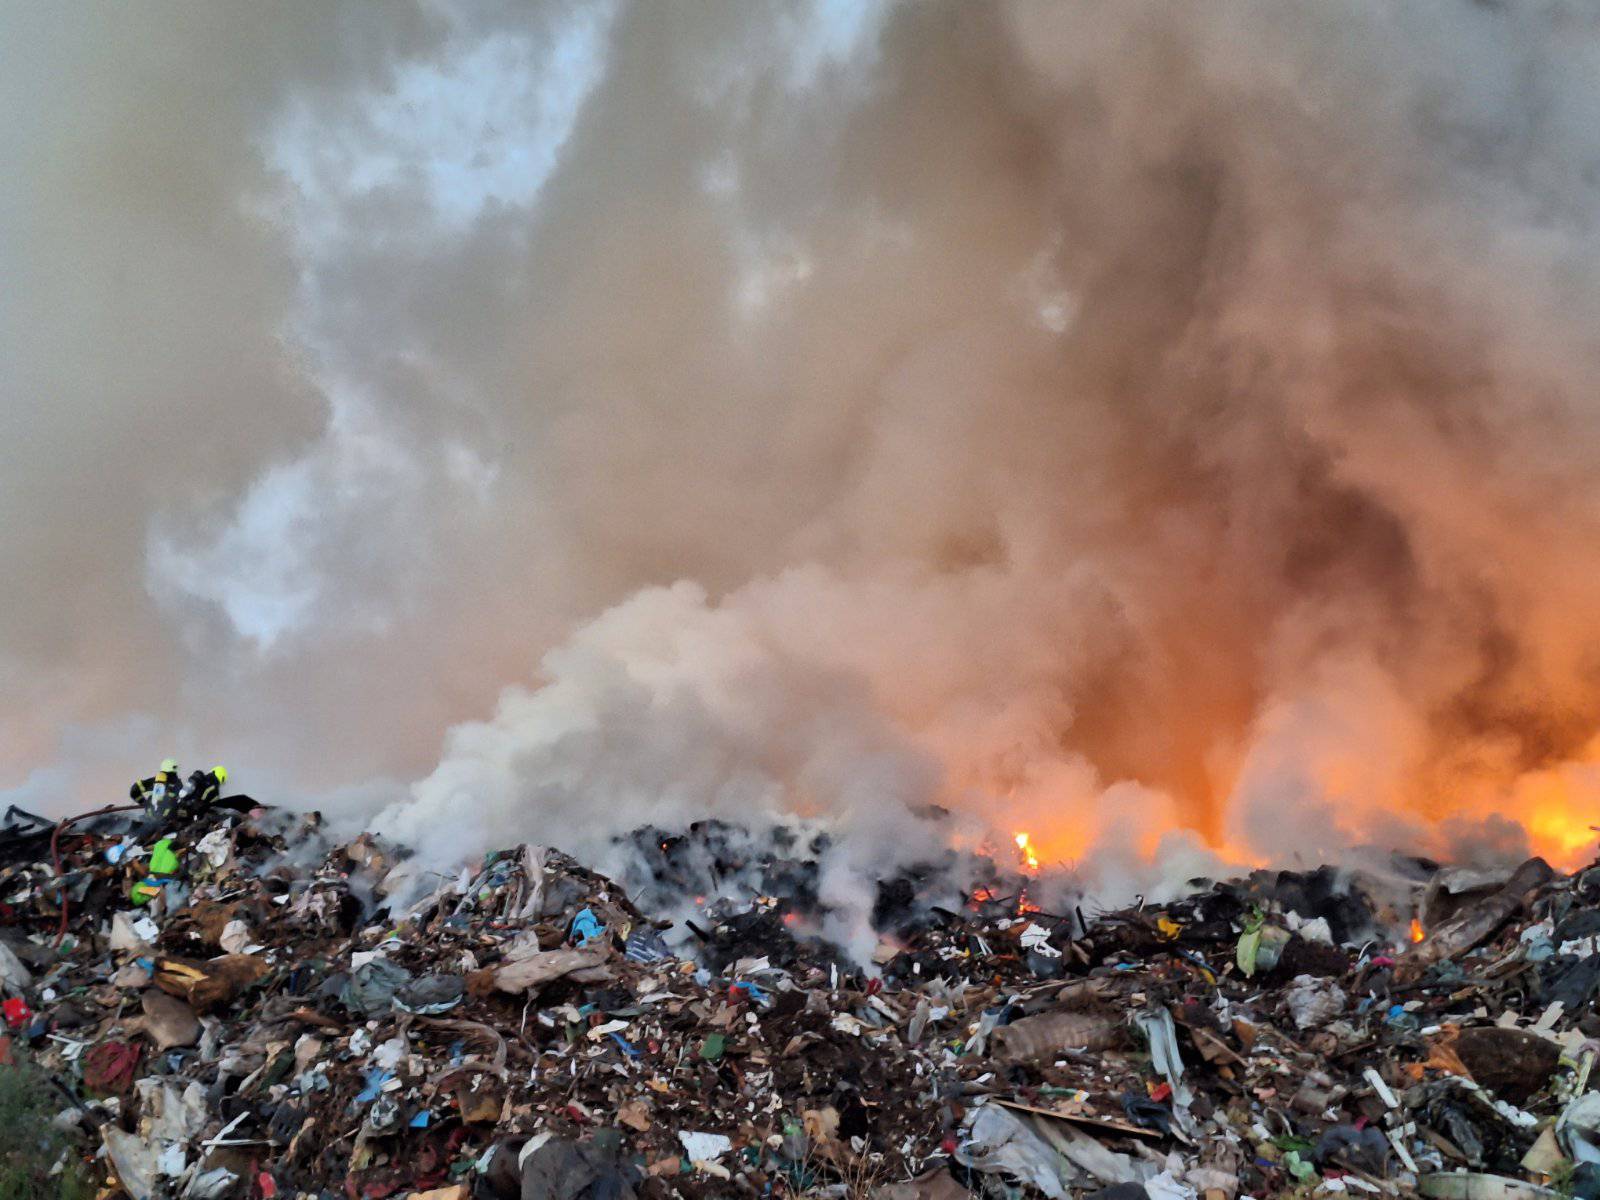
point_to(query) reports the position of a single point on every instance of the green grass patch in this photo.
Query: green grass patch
(31, 1145)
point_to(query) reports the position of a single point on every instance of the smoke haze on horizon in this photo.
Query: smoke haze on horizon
(505, 421)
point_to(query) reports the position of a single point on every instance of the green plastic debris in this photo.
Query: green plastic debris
(1260, 945)
(711, 1049)
(1297, 1166)
(162, 860)
(1249, 944)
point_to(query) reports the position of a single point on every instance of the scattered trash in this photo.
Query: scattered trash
(1512, 1063)
(1040, 1038)
(372, 986)
(1467, 1186)
(646, 946)
(704, 1147)
(168, 1021)
(999, 1141)
(1313, 1002)
(13, 974)
(431, 995)
(1578, 1128)
(530, 974)
(240, 1008)
(17, 1013)
(586, 927)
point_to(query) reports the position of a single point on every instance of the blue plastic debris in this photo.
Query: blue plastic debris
(645, 945)
(1398, 1018)
(586, 927)
(753, 991)
(375, 1078)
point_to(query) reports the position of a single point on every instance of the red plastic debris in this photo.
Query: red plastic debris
(108, 1068)
(17, 1012)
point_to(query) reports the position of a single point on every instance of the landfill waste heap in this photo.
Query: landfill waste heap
(227, 1003)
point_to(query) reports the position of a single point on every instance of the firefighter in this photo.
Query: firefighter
(202, 790)
(159, 792)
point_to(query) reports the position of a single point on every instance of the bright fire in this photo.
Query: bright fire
(1558, 813)
(1416, 930)
(1030, 860)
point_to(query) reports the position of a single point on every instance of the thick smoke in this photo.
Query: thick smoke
(1155, 429)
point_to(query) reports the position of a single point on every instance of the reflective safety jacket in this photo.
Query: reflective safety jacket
(145, 789)
(201, 791)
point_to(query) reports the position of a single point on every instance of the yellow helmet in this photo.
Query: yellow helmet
(221, 773)
(169, 764)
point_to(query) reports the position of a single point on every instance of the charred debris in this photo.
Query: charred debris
(234, 1004)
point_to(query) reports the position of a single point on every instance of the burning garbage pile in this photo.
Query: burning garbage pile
(229, 1002)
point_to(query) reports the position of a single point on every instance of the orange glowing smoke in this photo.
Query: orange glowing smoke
(1416, 930)
(1556, 810)
(1030, 860)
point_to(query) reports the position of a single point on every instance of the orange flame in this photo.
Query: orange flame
(1416, 930)
(1030, 860)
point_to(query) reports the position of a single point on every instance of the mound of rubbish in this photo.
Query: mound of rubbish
(230, 1003)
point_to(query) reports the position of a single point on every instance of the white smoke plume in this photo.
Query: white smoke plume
(1166, 430)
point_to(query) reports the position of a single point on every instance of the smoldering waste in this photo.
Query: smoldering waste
(292, 1017)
